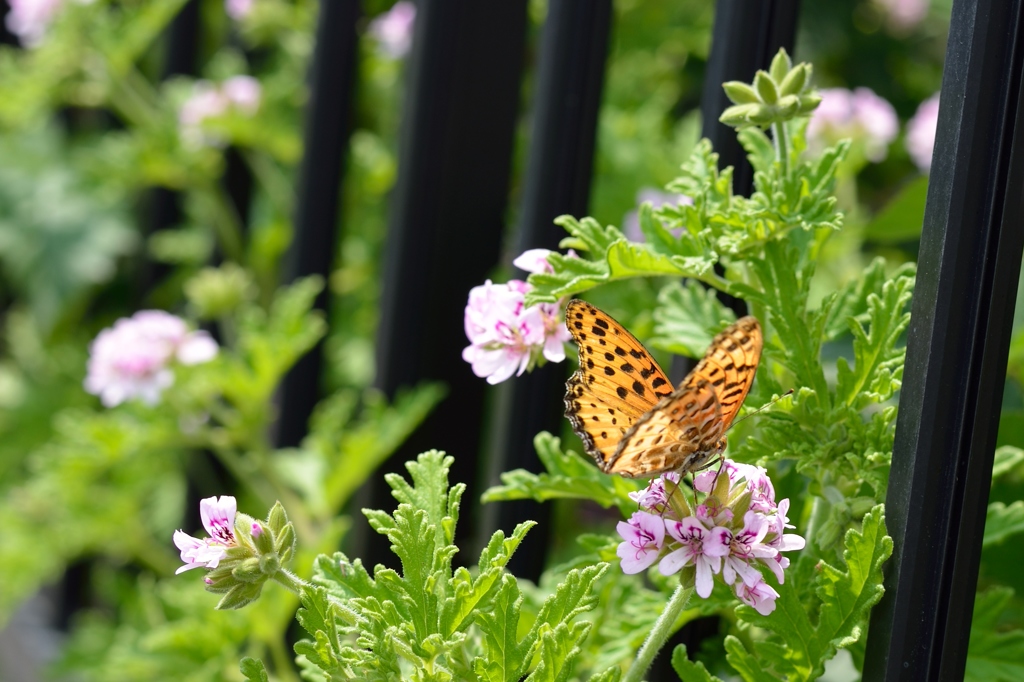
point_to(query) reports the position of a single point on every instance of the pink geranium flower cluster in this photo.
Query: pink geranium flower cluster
(506, 337)
(133, 358)
(218, 515)
(735, 531)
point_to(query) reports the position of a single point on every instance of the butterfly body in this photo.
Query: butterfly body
(623, 406)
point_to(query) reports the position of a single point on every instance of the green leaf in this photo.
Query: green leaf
(744, 663)
(902, 217)
(994, 655)
(569, 476)
(1007, 458)
(690, 671)
(504, 658)
(253, 670)
(559, 649)
(614, 258)
(799, 650)
(1002, 521)
(878, 360)
(687, 318)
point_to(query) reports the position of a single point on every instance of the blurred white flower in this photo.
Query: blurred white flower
(657, 198)
(29, 19)
(858, 114)
(393, 29)
(238, 9)
(920, 138)
(903, 15)
(208, 100)
(133, 358)
(245, 92)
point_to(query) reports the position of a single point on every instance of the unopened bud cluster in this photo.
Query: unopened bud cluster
(777, 95)
(242, 553)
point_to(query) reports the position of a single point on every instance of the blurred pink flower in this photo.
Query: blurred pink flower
(29, 19)
(133, 358)
(393, 29)
(920, 138)
(859, 114)
(218, 515)
(208, 100)
(238, 9)
(244, 92)
(657, 199)
(903, 15)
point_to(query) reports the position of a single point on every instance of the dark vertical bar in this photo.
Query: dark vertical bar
(957, 349)
(6, 37)
(570, 77)
(747, 34)
(446, 222)
(328, 120)
(180, 59)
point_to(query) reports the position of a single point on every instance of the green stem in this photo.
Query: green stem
(284, 665)
(660, 633)
(781, 138)
(293, 582)
(225, 221)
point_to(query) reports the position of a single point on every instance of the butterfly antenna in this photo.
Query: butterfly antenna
(763, 407)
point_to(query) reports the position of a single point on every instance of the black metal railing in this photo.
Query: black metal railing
(957, 348)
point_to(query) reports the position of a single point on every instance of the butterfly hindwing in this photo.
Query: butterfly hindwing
(617, 383)
(671, 436)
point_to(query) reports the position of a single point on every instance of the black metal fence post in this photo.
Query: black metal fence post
(957, 350)
(746, 35)
(164, 205)
(445, 229)
(570, 76)
(332, 79)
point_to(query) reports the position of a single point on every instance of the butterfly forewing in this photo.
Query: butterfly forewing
(617, 383)
(620, 405)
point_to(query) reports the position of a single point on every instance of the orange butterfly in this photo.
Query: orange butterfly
(622, 405)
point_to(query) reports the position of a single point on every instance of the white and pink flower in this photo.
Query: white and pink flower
(133, 359)
(699, 546)
(859, 114)
(920, 140)
(732, 532)
(393, 29)
(241, 94)
(506, 337)
(218, 515)
(238, 9)
(643, 536)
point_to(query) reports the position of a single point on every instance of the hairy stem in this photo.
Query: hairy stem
(660, 633)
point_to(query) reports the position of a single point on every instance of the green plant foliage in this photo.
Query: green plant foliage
(439, 622)
(843, 356)
(994, 653)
